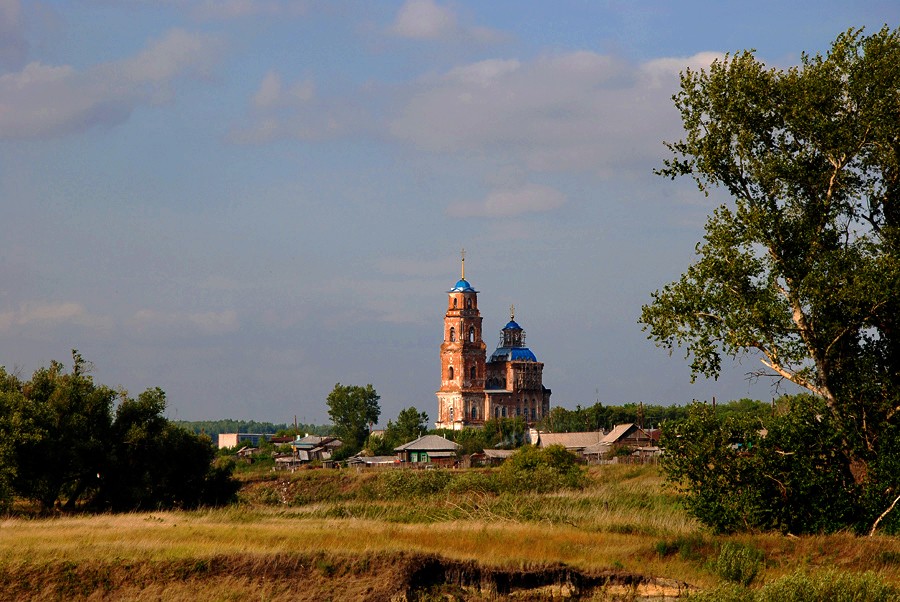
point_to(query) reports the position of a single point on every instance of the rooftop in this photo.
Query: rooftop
(462, 286)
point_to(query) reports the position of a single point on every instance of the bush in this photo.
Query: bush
(735, 479)
(475, 482)
(412, 483)
(829, 585)
(532, 469)
(800, 586)
(687, 548)
(738, 563)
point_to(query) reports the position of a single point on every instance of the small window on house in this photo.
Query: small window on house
(452, 334)
(450, 377)
(533, 414)
(503, 411)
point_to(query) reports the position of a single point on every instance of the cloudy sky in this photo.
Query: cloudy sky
(246, 201)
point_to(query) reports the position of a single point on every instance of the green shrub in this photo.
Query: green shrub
(474, 482)
(411, 483)
(738, 563)
(726, 592)
(829, 585)
(799, 586)
(688, 547)
(541, 470)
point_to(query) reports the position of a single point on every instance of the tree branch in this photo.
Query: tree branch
(883, 514)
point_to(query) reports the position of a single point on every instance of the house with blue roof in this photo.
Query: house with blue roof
(475, 388)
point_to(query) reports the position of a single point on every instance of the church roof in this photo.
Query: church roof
(462, 286)
(512, 325)
(513, 354)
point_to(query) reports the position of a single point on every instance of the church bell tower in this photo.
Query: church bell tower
(461, 396)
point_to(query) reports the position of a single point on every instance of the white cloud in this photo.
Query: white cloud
(239, 9)
(271, 92)
(424, 20)
(13, 46)
(579, 111)
(530, 198)
(46, 101)
(294, 111)
(176, 53)
(164, 324)
(42, 314)
(427, 20)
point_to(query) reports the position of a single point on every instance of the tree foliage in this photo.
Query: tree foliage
(62, 443)
(410, 424)
(604, 417)
(782, 472)
(230, 425)
(803, 270)
(541, 470)
(352, 409)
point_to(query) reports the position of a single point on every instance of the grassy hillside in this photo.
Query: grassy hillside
(326, 534)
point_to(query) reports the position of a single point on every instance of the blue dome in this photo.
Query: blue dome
(462, 286)
(511, 325)
(513, 354)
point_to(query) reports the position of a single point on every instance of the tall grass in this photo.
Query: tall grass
(623, 518)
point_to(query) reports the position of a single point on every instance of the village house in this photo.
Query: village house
(313, 447)
(640, 441)
(429, 449)
(574, 442)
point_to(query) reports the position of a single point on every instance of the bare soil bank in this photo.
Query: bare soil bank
(323, 577)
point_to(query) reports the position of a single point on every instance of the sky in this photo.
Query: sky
(244, 202)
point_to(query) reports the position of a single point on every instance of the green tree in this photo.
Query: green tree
(411, 423)
(803, 270)
(352, 409)
(153, 463)
(61, 444)
(746, 472)
(13, 432)
(65, 422)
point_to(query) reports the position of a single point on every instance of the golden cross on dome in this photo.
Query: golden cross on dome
(512, 312)
(463, 253)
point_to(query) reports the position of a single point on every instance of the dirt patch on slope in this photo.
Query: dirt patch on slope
(321, 577)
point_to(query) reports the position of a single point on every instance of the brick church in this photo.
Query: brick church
(473, 388)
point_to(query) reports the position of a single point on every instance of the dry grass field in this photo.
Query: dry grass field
(342, 535)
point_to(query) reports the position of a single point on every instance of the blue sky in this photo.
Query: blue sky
(244, 202)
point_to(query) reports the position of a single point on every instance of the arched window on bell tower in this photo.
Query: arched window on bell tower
(472, 373)
(471, 334)
(450, 373)
(452, 334)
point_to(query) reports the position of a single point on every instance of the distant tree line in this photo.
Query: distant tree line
(66, 442)
(599, 417)
(228, 425)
